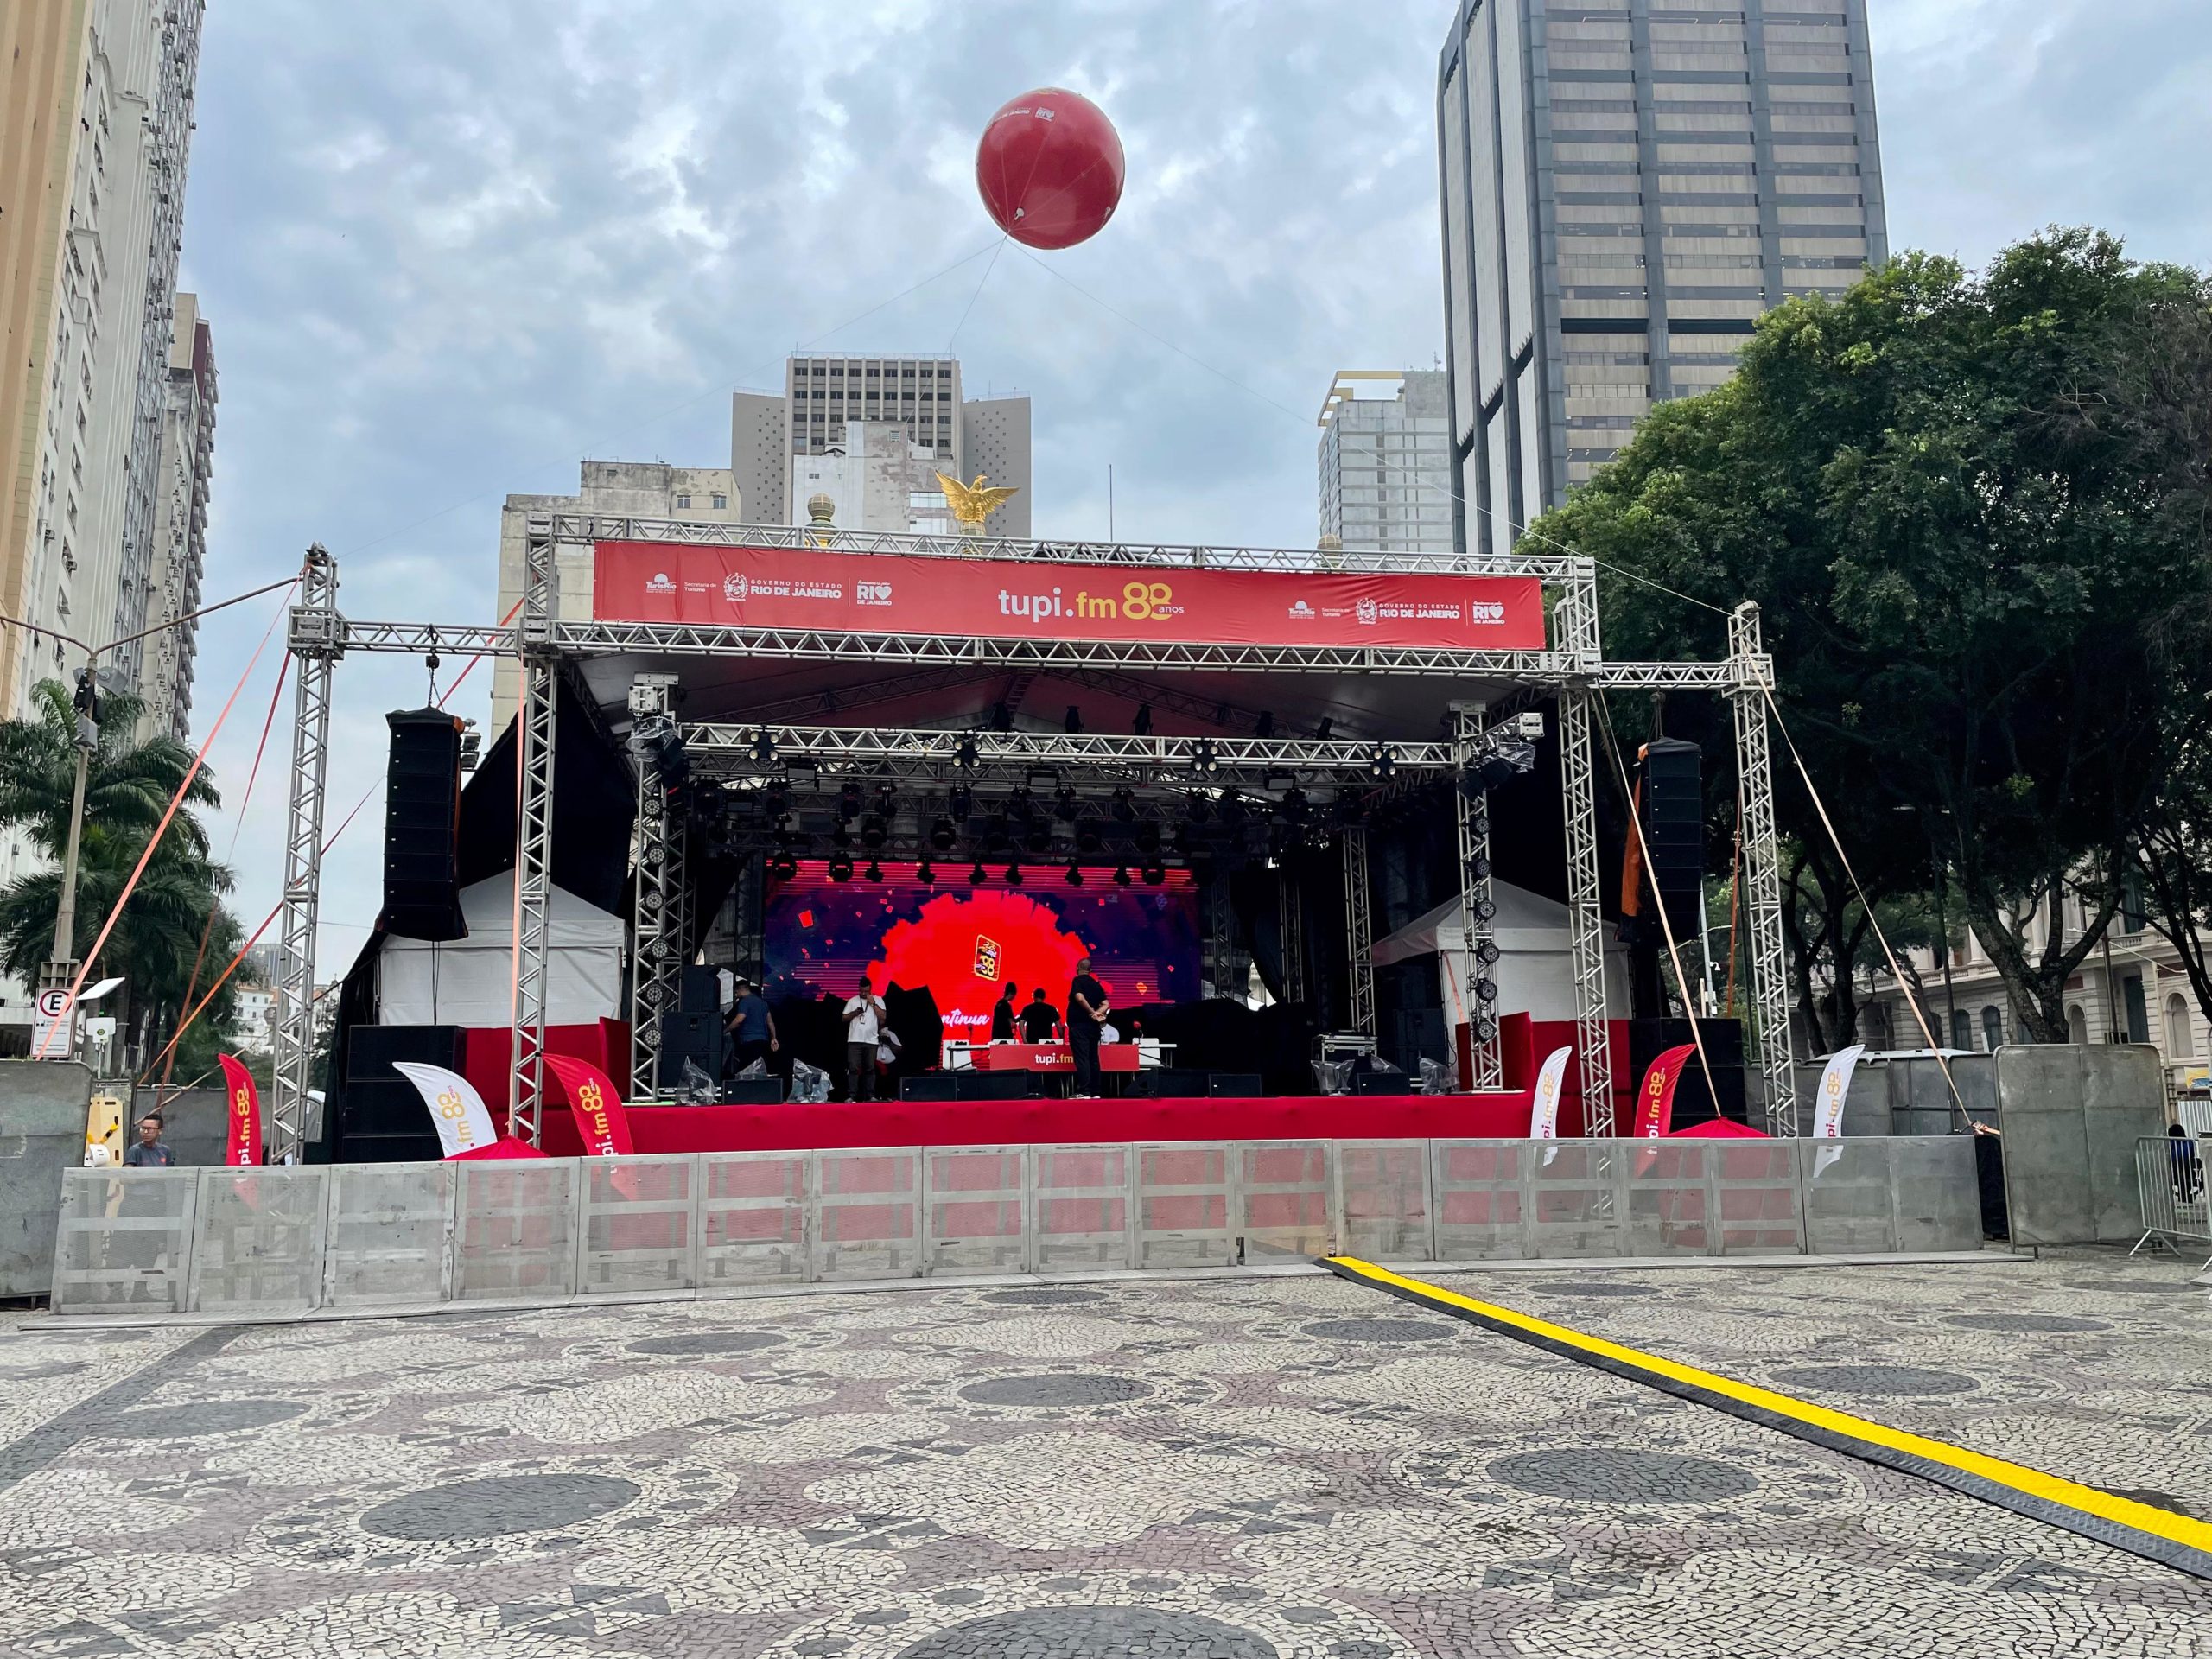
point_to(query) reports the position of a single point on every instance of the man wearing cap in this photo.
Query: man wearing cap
(752, 1027)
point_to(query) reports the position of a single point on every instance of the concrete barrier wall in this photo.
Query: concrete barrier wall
(2071, 1113)
(42, 1109)
(274, 1241)
(1905, 1096)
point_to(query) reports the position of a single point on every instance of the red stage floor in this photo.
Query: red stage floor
(1059, 1123)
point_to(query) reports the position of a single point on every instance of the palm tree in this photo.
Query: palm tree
(127, 786)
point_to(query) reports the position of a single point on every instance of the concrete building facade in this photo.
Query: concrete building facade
(183, 481)
(1627, 186)
(920, 395)
(94, 136)
(1385, 460)
(875, 478)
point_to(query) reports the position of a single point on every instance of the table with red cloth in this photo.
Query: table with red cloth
(1047, 1057)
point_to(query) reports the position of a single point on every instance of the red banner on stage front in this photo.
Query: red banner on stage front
(887, 593)
(1049, 1057)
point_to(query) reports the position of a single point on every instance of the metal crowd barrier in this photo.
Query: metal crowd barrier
(2171, 1176)
(276, 1241)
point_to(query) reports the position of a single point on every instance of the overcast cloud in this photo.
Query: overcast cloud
(449, 251)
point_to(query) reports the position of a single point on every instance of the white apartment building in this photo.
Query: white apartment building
(183, 479)
(825, 395)
(1385, 460)
(877, 478)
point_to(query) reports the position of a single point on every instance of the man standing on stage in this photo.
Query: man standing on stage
(864, 1012)
(1087, 1010)
(752, 1027)
(1003, 1015)
(1038, 1019)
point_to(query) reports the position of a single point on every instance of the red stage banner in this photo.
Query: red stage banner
(1655, 1101)
(242, 1143)
(594, 1104)
(887, 593)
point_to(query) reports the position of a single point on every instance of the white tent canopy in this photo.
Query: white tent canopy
(470, 982)
(1535, 972)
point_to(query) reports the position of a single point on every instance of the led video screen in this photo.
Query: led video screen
(965, 943)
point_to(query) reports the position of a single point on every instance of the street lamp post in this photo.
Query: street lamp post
(61, 970)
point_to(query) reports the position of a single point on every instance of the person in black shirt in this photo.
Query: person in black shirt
(1087, 1008)
(1003, 1015)
(1038, 1019)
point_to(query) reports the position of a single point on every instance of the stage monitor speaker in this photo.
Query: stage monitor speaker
(1384, 1083)
(1163, 1083)
(1234, 1085)
(701, 991)
(698, 1038)
(753, 1091)
(931, 1085)
(422, 826)
(381, 1117)
(1693, 1101)
(989, 1085)
(1673, 808)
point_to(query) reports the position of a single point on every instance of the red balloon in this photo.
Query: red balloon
(1049, 168)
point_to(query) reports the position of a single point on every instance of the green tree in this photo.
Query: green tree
(1970, 596)
(128, 785)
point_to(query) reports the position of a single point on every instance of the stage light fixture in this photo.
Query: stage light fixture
(1088, 836)
(1142, 725)
(1125, 807)
(775, 801)
(1198, 809)
(873, 831)
(1063, 805)
(782, 867)
(1204, 760)
(1154, 873)
(1121, 875)
(840, 867)
(841, 839)
(1018, 807)
(1485, 990)
(1071, 722)
(1232, 807)
(849, 799)
(1485, 1029)
(1294, 804)
(1382, 761)
(1075, 873)
(1265, 726)
(1502, 761)
(963, 754)
(1037, 837)
(1148, 837)
(874, 871)
(1013, 872)
(1478, 823)
(1486, 951)
(962, 801)
(976, 874)
(1478, 868)
(941, 835)
(886, 794)
(1328, 725)
(925, 872)
(764, 747)
(1484, 910)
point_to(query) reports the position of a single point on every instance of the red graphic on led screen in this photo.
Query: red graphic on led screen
(967, 944)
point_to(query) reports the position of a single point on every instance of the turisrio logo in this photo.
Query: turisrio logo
(734, 588)
(660, 583)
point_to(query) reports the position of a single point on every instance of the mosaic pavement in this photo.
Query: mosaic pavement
(1280, 1468)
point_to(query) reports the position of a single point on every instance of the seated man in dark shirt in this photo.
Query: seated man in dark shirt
(1037, 1018)
(1003, 1015)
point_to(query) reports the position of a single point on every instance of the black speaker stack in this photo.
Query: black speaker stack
(693, 1036)
(381, 1117)
(422, 826)
(1693, 1101)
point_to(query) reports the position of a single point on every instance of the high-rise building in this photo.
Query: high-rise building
(822, 395)
(1385, 461)
(1627, 186)
(187, 459)
(94, 131)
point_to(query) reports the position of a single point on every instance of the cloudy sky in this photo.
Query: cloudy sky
(449, 251)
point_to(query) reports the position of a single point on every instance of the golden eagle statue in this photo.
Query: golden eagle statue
(970, 503)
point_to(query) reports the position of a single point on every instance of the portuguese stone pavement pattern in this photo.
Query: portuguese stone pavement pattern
(1276, 1467)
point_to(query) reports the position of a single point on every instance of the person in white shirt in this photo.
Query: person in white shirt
(864, 1012)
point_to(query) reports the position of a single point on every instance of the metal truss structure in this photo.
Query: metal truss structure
(1478, 907)
(1572, 669)
(1359, 934)
(1761, 866)
(658, 898)
(317, 642)
(1290, 927)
